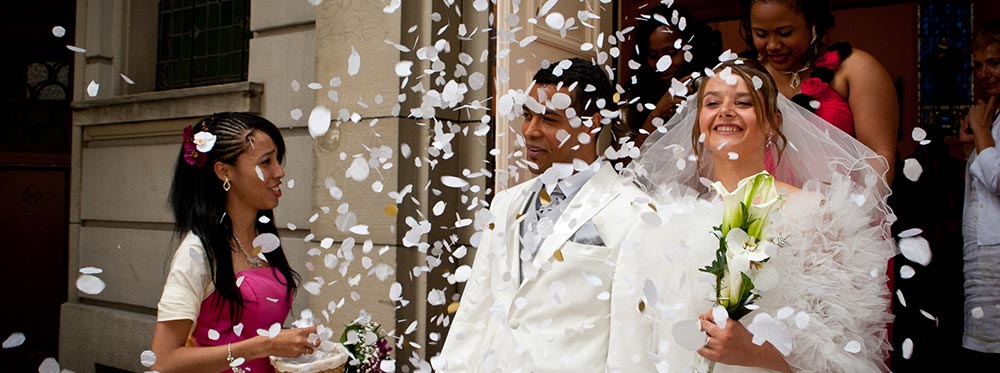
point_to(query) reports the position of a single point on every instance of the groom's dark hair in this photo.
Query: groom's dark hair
(584, 74)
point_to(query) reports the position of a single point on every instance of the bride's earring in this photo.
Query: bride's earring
(226, 185)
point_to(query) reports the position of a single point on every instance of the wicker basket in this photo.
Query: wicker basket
(334, 363)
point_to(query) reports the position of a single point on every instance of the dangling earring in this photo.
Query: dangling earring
(226, 185)
(814, 36)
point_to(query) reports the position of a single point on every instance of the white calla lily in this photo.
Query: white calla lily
(204, 141)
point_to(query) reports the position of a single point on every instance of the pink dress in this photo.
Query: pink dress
(832, 107)
(265, 302)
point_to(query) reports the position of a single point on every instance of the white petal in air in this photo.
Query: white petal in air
(58, 31)
(319, 121)
(49, 365)
(906, 271)
(907, 348)
(127, 79)
(403, 68)
(353, 62)
(688, 334)
(664, 63)
(76, 49)
(90, 284)
(296, 113)
(267, 242)
(274, 330)
(910, 232)
(919, 134)
(454, 182)
(92, 88)
(260, 173)
(977, 312)
(91, 270)
(359, 169)
(912, 169)
(555, 21)
(853, 347)
(15, 339)
(213, 334)
(916, 249)
(360, 229)
(147, 358)
(463, 273)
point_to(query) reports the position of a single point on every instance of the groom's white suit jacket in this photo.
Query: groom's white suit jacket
(572, 316)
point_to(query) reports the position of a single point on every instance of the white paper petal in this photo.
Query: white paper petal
(91, 270)
(977, 312)
(15, 339)
(58, 31)
(853, 347)
(274, 330)
(555, 20)
(907, 348)
(127, 79)
(90, 284)
(912, 169)
(463, 273)
(267, 242)
(688, 334)
(919, 134)
(353, 62)
(454, 182)
(319, 121)
(910, 232)
(720, 315)
(664, 63)
(906, 271)
(147, 358)
(260, 173)
(359, 229)
(916, 249)
(49, 365)
(403, 68)
(93, 88)
(213, 334)
(238, 329)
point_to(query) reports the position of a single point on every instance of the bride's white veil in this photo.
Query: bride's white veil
(817, 155)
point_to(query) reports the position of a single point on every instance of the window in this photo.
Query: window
(944, 67)
(202, 42)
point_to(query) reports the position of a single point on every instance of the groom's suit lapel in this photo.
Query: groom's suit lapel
(591, 199)
(518, 206)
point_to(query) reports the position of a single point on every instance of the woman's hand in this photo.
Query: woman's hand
(980, 120)
(733, 345)
(292, 342)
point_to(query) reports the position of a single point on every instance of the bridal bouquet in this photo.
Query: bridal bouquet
(744, 248)
(368, 345)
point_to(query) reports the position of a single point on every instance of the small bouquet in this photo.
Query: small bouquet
(368, 345)
(744, 247)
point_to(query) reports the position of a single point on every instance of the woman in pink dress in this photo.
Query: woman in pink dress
(223, 302)
(845, 86)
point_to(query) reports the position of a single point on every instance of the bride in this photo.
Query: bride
(828, 308)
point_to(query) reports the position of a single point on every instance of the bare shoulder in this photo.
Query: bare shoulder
(861, 64)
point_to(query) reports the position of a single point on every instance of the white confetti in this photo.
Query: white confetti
(360, 229)
(436, 297)
(296, 114)
(58, 31)
(213, 334)
(49, 365)
(801, 320)
(90, 284)
(274, 330)
(319, 121)
(91, 270)
(664, 63)
(907, 348)
(910, 232)
(438, 208)
(977, 312)
(528, 40)
(291, 183)
(395, 292)
(238, 329)
(353, 62)
(555, 21)
(267, 242)
(387, 365)
(720, 315)
(264, 219)
(463, 273)
(15, 339)
(899, 295)
(853, 347)
(733, 156)
(919, 134)
(147, 358)
(127, 79)
(757, 82)
(92, 88)
(403, 68)
(454, 182)
(916, 249)
(260, 173)
(359, 169)
(312, 287)
(912, 169)
(906, 271)
(76, 49)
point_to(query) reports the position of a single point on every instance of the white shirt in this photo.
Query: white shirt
(983, 178)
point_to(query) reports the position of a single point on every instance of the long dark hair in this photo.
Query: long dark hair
(646, 87)
(199, 202)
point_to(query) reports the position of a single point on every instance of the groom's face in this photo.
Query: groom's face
(549, 134)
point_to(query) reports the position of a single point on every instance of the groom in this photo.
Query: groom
(540, 296)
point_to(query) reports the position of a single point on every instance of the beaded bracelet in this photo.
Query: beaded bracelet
(234, 363)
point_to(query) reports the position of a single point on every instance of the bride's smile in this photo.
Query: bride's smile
(728, 119)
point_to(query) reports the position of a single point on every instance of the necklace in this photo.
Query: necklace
(795, 80)
(255, 262)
